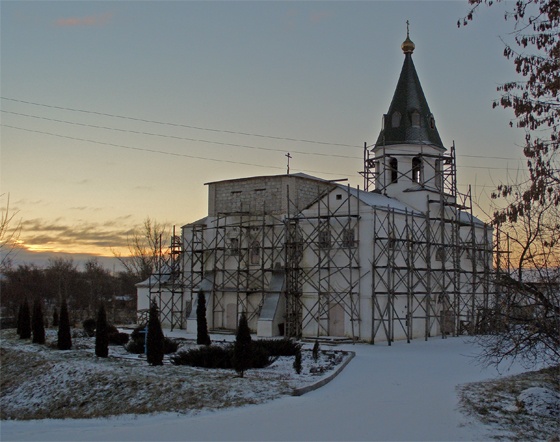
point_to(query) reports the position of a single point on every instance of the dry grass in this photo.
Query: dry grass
(495, 403)
(39, 382)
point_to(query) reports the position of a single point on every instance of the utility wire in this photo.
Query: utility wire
(159, 151)
(207, 129)
(196, 157)
(179, 125)
(173, 136)
(190, 139)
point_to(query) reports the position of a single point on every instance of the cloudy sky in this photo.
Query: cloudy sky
(116, 111)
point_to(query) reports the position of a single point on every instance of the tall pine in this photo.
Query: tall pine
(155, 340)
(202, 336)
(38, 323)
(25, 327)
(19, 318)
(101, 334)
(55, 318)
(242, 349)
(64, 336)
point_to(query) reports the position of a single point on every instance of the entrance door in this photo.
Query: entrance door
(336, 320)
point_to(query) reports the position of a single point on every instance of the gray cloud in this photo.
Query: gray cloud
(109, 234)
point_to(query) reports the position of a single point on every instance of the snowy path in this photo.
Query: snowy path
(403, 392)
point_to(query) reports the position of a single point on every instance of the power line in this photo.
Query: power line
(94, 126)
(122, 146)
(177, 124)
(189, 139)
(212, 130)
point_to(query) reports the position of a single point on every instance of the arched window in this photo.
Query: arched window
(415, 118)
(394, 169)
(396, 119)
(417, 170)
(255, 253)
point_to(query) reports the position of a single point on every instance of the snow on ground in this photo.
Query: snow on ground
(399, 392)
(521, 407)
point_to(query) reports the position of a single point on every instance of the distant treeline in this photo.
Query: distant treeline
(84, 290)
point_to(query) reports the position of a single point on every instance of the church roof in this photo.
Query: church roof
(409, 120)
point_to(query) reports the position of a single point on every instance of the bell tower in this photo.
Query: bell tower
(409, 158)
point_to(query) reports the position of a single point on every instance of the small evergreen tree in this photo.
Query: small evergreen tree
(19, 319)
(242, 349)
(55, 318)
(297, 362)
(25, 327)
(38, 323)
(64, 337)
(101, 334)
(155, 340)
(316, 349)
(202, 336)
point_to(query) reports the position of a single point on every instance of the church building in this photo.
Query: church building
(401, 258)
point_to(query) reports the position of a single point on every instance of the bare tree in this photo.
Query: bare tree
(526, 317)
(145, 245)
(535, 53)
(527, 313)
(10, 229)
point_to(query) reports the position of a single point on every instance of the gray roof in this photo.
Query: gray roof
(408, 98)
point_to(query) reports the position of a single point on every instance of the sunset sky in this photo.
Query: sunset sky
(116, 111)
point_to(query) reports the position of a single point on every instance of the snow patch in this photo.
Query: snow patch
(540, 401)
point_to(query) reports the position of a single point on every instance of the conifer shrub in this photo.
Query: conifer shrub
(155, 339)
(38, 323)
(278, 347)
(209, 356)
(242, 348)
(25, 327)
(136, 343)
(202, 336)
(217, 356)
(101, 334)
(170, 345)
(116, 337)
(19, 319)
(64, 341)
(297, 362)
(137, 339)
(89, 326)
(316, 350)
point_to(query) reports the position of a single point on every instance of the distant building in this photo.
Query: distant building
(403, 258)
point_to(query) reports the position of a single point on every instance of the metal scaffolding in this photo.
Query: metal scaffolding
(432, 271)
(423, 273)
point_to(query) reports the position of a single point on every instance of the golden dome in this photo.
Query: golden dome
(407, 46)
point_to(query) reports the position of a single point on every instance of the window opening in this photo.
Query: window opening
(234, 246)
(439, 175)
(324, 240)
(255, 255)
(396, 119)
(348, 239)
(394, 169)
(417, 170)
(415, 118)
